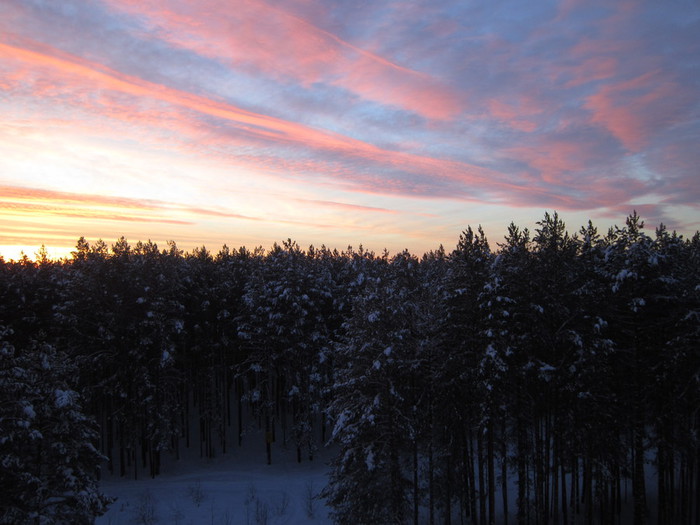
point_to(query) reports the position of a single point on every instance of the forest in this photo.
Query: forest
(553, 378)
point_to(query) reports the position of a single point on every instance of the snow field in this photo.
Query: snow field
(236, 489)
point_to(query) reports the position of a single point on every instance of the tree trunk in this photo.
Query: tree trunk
(431, 482)
(504, 471)
(239, 401)
(268, 439)
(638, 481)
(564, 506)
(555, 482)
(415, 481)
(522, 474)
(662, 504)
(588, 488)
(448, 492)
(471, 476)
(482, 481)
(491, 471)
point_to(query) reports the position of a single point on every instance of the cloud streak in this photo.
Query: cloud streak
(258, 127)
(269, 40)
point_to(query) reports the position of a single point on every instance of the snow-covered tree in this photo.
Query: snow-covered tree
(49, 461)
(463, 404)
(285, 333)
(374, 400)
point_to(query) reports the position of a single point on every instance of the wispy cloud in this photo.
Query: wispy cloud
(633, 110)
(44, 203)
(272, 41)
(34, 202)
(346, 206)
(261, 128)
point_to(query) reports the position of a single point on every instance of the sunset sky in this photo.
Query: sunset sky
(392, 124)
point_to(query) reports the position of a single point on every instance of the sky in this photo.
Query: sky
(391, 124)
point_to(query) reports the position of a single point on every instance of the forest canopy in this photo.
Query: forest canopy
(567, 363)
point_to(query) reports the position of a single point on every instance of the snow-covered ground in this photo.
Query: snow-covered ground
(236, 489)
(239, 488)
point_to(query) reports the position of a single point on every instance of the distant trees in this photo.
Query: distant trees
(540, 382)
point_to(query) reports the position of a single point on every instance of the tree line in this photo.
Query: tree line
(553, 379)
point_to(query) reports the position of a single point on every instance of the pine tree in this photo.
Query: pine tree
(49, 461)
(463, 404)
(637, 326)
(372, 400)
(675, 300)
(511, 335)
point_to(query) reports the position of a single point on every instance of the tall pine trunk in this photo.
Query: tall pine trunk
(638, 481)
(491, 470)
(504, 469)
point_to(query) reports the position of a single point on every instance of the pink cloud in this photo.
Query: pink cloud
(22, 194)
(554, 160)
(520, 115)
(346, 206)
(634, 110)
(576, 166)
(267, 39)
(268, 128)
(593, 69)
(347, 162)
(262, 127)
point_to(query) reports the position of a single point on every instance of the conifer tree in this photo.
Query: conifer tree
(49, 461)
(371, 404)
